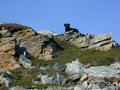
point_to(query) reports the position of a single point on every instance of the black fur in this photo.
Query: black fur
(68, 28)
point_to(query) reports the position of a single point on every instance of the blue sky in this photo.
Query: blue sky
(89, 16)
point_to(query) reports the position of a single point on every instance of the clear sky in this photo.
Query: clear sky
(89, 16)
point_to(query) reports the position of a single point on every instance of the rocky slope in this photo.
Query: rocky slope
(89, 41)
(70, 61)
(15, 42)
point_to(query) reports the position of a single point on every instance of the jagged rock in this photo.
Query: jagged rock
(47, 32)
(74, 67)
(5, 80)
(25, 62)
(37, 45)
(88, 41)
(7, 53)
(28, 40)
(51, 80)
(103, 72)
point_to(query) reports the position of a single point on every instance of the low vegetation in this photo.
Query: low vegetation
(65, 53)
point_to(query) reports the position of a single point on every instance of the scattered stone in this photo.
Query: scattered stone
(78, 87)
(59, 68)
(103, 72)
(5, 80)
(7, 53)
(60, 78)
(25, 62)
(74, 67)
(37, 45)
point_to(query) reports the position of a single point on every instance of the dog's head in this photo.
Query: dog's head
(67, 25)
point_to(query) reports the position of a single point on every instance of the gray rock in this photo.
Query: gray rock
(60, 78)
(47, 32)
(74, 67)
(25, 62)
(44, 68)
(78, 87)
(74, 77)
(51, 80)
(58, 67)
(103, 72)
(5, 80)
(44, 79)
(88, 41)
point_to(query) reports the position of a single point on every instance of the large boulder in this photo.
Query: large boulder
(89, 41)
(27, 39)
(103, 72)
(74, 67)
(16, 39)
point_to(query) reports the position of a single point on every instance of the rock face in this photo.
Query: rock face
(88, 41)
(15, 42)
(7, 53)
(104, 72)
(47, 32)
(25, 62)
(35, 44)
(74, 67)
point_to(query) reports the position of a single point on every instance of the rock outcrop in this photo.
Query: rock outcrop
(88, 41)
(37, 45)
(7, 53)
(15, 41)
(47, 32)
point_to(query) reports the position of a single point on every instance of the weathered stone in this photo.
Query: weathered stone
(37, 45)
(60, 78)
(47, 32)
(44, 79)
(51, 80)
(74, 77)
(100, 38)
(74, 67)
(5, 80)
(25, 62)
(7, 53)
(88, 41)
(103, 72)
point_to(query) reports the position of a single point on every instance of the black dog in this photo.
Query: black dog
(67, 28)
